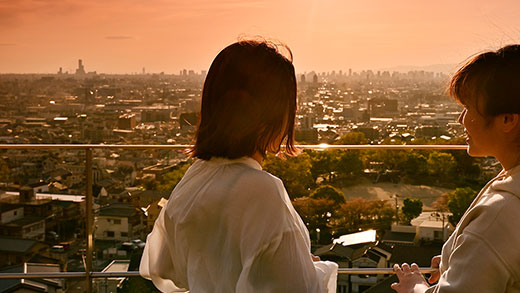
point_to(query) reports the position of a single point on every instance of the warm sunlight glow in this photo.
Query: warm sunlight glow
(168, 36)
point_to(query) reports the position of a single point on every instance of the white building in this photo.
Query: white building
(120, 222)
(432, 226)
(111, 285)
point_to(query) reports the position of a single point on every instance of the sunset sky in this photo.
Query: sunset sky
(123, 36)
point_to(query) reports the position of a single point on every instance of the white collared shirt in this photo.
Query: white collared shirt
(230, 227)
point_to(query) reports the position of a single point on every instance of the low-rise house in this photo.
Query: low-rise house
(114, 284)
(158, 170)
(9, 213)
(15, 251)
(15, 224)
(350, 251)
(433, 226)
(34, 211)
(143, 198)
(428, 227)
(26, 227)
(39, 187)
(374, 257)
(400, 235)
(120, 222)
(32, 285)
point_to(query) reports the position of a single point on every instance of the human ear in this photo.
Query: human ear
(509, 122)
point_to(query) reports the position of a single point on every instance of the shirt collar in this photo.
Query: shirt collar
(243, 160)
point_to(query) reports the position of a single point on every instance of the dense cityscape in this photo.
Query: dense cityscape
(42, 192)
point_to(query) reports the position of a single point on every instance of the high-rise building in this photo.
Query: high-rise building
(81, 69)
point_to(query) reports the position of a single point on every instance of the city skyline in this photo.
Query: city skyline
(80, 70)
(168, 36)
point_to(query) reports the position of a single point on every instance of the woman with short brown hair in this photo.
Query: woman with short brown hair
(229, 226)
(482, 254)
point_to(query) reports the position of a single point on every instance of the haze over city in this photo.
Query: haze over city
(101, 101)
(168, 36)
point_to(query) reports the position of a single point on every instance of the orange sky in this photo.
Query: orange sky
(123, 36)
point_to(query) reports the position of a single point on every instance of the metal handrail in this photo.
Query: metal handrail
(187, 146)
(88, 148)
(66, 275)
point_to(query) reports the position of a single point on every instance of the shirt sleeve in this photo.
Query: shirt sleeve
(156, 264)
(285, 265)
(474, 266)
(277, 255)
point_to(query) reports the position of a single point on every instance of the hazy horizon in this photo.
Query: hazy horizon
(122, 37)
(444, 68)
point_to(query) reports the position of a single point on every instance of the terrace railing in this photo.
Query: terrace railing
(89, 274)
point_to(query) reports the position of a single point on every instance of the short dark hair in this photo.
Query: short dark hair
(491, 81)
(248, 101)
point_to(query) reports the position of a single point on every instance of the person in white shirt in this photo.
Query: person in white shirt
(483, 255)
(228, 225)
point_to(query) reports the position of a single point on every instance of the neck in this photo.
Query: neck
(509, 164)
(258, 157)
(509, 159)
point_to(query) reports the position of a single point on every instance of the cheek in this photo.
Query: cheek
(468, 121)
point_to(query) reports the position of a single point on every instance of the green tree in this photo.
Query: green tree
(415, 165)
(441, 165)
(149, 184)
(349, 163)
(458, 202)
(352, 138)
(295, 172)
(361, 214)
(392, 159)
(329, 192)
(316, 213)
(172, 178)
(323, 164)
(412, 207)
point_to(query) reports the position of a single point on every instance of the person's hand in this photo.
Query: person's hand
(315, 258)
(434, 277)
(409, 278)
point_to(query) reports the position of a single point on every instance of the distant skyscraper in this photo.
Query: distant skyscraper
(81, 69)
(144, 71)
(303, 78)
(61, 71)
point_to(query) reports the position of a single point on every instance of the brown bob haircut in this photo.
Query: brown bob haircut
(490, 81)
(248, 102)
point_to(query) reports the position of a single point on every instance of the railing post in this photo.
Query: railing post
(89, 220)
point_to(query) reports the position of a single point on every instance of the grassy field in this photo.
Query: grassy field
(387, 191)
